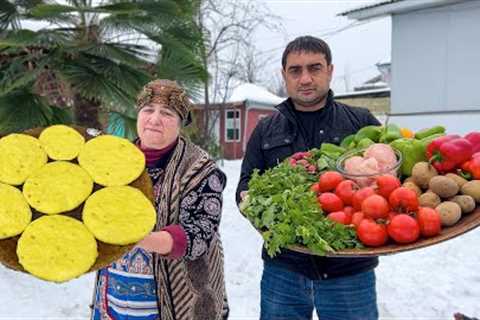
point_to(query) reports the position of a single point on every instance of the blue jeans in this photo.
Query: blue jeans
(287, 295)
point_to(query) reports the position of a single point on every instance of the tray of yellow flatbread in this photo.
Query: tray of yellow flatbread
(71, 201)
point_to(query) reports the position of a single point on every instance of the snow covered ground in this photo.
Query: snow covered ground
(430, 283)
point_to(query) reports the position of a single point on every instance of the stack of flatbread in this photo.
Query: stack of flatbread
(69, 206)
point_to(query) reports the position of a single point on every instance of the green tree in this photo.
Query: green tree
(85, 58)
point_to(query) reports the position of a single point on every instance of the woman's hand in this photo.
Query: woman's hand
(160, 242)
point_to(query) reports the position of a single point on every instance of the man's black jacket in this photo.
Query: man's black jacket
(276, 138)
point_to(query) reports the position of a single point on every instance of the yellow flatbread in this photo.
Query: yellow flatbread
(112, 161)
(15, 214)
(61, 142)
(58, 186)
(20, 155)
(119, 215)
(57, 248)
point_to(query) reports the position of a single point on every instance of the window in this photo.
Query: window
(232, 125)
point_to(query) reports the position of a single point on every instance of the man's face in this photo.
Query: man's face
(307, 78)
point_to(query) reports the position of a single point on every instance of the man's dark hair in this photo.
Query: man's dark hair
(307, 44)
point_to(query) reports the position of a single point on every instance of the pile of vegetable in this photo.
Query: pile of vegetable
(305, 201)
(282, 207)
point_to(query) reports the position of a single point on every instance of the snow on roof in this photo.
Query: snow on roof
(388, 7)
(254, 93)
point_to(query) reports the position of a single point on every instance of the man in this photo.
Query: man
(293, 284)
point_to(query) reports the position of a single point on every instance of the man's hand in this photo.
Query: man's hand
(244, 203)
(243, 194)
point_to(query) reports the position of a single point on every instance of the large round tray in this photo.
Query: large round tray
(467, 223)
(107, 253)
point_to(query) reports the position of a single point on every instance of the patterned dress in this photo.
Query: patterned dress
(126, 290)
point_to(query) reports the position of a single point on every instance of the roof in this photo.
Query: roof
(382, 92)
(389, 7)
(252, 93)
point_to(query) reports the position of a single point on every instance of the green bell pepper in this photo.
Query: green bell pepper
(331, 150)
(429, 139)
(424, 133)
(390, 133)
(364, 143)
(371, 132)
(348, 141)
(412, 150)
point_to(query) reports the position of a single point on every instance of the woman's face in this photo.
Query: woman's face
(157, 126)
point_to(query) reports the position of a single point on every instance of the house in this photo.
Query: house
(435, 69)
(373, 94)
(375, 100)
(235, 119)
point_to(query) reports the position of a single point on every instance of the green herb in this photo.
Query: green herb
(282, 207)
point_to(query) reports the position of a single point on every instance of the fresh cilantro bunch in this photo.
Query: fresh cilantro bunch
(282, 207)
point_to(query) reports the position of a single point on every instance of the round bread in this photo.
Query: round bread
(57, 187)
(15, 214)
(20, 156)
(57, 248)
(119, 215)
(112, 161)
(61, 142)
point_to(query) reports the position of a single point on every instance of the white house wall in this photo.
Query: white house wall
(436, 59)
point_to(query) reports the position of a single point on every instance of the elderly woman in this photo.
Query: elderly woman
(176, 272)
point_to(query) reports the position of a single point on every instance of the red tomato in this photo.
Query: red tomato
(386, 184)
(371, 233)
(403, 229)
(329, 180)
(345, 191)
(315, 188)
(392, 214)
(429, 221)
(340, 217)
(361, 195)
(348, 210)
(403, 200)
(357, 217)
(330, 202)
(375, 207)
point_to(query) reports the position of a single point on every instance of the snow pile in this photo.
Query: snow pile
(430, 283)
(254, 93)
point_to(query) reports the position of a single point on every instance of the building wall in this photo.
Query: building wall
(253, 117)
(435, 59)
(377, 105)
(232, 149)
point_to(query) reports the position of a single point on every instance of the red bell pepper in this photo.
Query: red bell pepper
(474, 138)
(472, 166)
(449, 152)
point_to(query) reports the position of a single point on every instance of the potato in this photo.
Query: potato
(465, 202)
(409, 179)
(450, 212)
(422, 172)
(455, 177)
(412, 186)
(472, 188)
(429, 199)
(443, 186)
